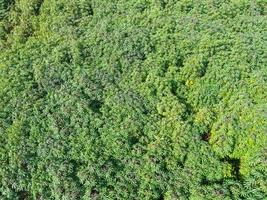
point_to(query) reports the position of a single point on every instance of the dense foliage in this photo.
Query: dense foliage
(133, 99)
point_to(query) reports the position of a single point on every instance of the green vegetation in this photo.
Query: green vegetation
(133, 99)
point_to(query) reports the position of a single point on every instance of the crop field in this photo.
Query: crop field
(133, 99)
